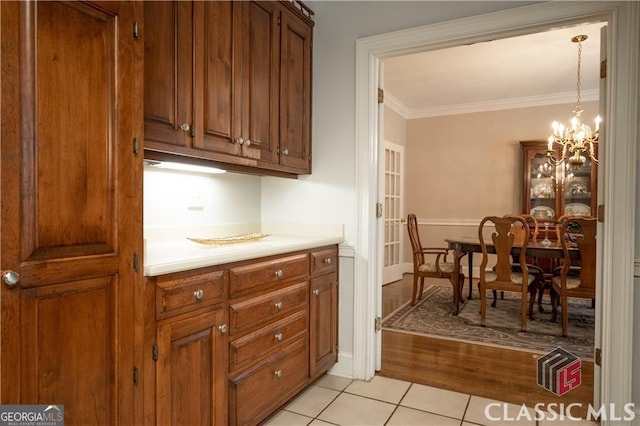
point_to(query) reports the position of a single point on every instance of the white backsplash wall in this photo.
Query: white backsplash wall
(175, 199)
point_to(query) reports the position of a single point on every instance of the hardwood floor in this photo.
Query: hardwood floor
(501, 374)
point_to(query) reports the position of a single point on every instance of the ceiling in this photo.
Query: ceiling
(532, 70)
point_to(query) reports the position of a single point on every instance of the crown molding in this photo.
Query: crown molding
(494, 105)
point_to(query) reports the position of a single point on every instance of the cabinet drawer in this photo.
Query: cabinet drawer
(179, 293)
(323, 261)
(244, 279)
(263, 341)
(262, 309)
(257, 392)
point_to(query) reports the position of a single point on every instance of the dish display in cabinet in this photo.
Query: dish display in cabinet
(551, 191)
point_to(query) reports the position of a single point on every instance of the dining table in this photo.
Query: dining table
(466, 246)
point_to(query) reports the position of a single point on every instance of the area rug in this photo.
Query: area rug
(432, 316)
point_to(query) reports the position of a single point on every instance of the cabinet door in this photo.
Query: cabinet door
(191, 371)
(168, 73)
(218, 79)
(323, 319)
(541, 183)
(295, 93)
(579, 189)
(71, 219)
(260, 70)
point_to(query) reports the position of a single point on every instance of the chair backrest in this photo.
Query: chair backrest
(519, 230)
(414, 237)
(580, 232)
(503, 240)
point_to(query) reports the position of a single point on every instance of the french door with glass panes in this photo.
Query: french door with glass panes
(394, 223)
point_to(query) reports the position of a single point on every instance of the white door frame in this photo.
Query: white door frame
(618, 163)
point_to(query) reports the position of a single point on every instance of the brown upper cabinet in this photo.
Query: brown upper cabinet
(229, 82)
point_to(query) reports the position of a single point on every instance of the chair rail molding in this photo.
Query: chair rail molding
(617, 164)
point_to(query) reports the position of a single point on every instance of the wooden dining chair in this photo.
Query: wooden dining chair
(431, 262)
(502, 276)
(577, 277)
(532, 268)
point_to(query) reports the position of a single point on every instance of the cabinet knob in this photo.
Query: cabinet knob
(278, 373)
(327, 261)
(198, 294)
(239, 141)
(223, 328)
(278, 337)
(185, 127)
(247, 142)
(316, 292)
(285, 151)
(279, 273)
(10, 277)
(278, 305)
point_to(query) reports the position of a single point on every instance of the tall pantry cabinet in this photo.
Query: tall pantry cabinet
(71, 214)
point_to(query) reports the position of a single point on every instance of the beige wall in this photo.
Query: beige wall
(395, 127)
(460, 168)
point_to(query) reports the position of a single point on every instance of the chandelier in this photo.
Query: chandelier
(577, 139)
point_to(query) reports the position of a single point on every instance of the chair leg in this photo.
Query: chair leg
(565, 316)
(540, 294)
(483, 305)
(415, 289)
(533, 289)
(421, 288)
(523, 309)
(495, 298)
(456, 293)
(554, 304)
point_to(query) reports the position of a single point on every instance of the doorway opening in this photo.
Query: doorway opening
(617, 161)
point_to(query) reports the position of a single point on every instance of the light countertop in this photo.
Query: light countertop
(164, 257)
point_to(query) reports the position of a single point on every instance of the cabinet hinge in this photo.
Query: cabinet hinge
(135, 30)
(378, 210)
(603, 69)
(278, 22)
(378, 323)
(135, 262)
(192, 131)
(135, 375)
(380, 96)
(600, 212)
(136, 146)
(154, 352)
(598, 357)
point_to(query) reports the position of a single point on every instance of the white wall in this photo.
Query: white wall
(170, 197)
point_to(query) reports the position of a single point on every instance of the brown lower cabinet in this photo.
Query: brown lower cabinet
(231, 344)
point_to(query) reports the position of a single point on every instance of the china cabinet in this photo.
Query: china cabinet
(550, 191)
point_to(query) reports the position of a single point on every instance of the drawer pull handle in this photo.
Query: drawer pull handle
(316, 291)
(223, 328)
(279, 337)
(278, 305)
(198, 294)
(278, 373)
(279, 273)
(327, 261)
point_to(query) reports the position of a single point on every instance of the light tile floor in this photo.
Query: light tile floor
(334, 400)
